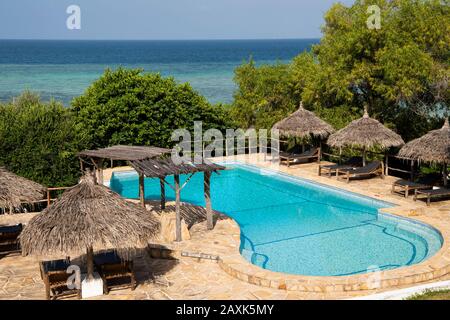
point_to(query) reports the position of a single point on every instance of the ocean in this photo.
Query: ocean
(64, 69)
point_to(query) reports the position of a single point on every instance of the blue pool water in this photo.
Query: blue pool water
(295, 226)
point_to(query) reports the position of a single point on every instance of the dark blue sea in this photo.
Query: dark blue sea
(64, 69)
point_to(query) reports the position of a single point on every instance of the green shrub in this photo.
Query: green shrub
(131, 107)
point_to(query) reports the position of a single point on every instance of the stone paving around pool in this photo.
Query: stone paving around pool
(186, 275)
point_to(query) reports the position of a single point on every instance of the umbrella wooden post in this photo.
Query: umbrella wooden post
(445, 171)
(177, 208)
(319, 159)
(163, 194)
(364, 157)
(387, 164)
(207, 189)
(142, 190)
(90, 263)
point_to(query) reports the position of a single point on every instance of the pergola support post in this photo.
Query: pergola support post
(207, 189)
(163, 193)
(177, 208)
(142, 189)
(98, 163)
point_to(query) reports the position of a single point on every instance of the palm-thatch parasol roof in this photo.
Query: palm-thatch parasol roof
(15, 190)
(365, 133)
(87, 217)
(303, 124)
(432, 147)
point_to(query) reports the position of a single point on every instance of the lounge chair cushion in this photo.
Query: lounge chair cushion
(11, 229)
(107, 258)
(435, 192)
(55, 266)
(410, 184)
(368, 169)
(309, 153)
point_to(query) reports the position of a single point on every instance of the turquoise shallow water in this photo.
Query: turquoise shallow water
(299, 227)
(64, 69)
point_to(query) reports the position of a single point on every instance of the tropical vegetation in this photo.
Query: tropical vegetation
(401, 70)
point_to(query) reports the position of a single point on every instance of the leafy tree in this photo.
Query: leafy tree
(128, 106)
(266, 93)
(400, 70)
(37, 140)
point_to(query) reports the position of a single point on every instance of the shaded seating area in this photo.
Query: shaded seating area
(116, 273)
(375, 168)
(433, 148)
(365, 134)
(292, 158)
(329, 170)
(55, 277)
(85, 218)
(307, 127)
(431, 194)
(9, 239)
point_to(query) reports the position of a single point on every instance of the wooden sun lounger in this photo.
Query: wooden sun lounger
(352, 163)
(287, 158)
(55, 276)
(9, 239)
(404, 187)
(436, 193)
(374, 168)
(115, 273)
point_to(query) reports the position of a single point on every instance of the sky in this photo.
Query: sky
(164, 19)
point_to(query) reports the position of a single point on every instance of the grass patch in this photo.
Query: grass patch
(432, 295)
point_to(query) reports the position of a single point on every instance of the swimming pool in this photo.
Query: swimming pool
(295, 226)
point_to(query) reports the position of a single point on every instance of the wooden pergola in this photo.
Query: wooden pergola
(162, 168)
(119, 153)
(151, 162)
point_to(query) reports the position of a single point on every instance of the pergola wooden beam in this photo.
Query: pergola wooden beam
(125, 153)
(207, 191)
(122, 153)
(161, 168)
(163, 193)
(178, 207)
(142, 189)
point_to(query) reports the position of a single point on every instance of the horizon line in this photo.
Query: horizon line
(193, 39)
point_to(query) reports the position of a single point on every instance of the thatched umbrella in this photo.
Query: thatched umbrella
(365, 133)
(87, 217)
(15, 190)
(303, 124)
(434, 147)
